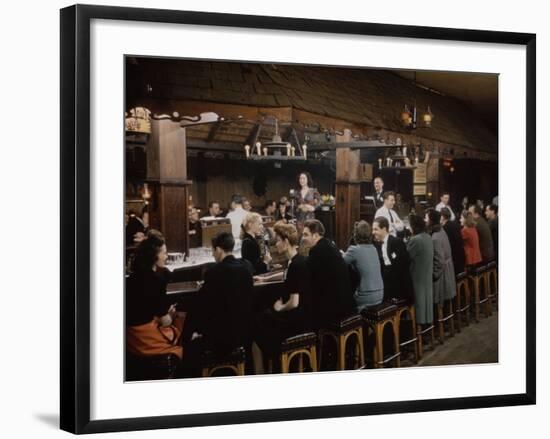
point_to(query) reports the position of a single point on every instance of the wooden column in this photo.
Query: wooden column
(167, 169)
(433, 174)
(348, 190)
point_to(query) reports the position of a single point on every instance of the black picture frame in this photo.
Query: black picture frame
(75, 217)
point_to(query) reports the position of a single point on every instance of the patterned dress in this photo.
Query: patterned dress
(312, 198)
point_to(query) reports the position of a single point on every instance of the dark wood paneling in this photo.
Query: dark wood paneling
(347, 211)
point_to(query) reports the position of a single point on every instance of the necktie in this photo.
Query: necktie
(391, 216)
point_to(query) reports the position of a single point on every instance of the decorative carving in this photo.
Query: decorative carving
(138, 120)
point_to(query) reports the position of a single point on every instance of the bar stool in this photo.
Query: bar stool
(376, 318)
(443, 317)
(479, 281)
(492, 283)
(407, 334)
(462, 299)
(234, 361)
(301, 345)
(341, 331)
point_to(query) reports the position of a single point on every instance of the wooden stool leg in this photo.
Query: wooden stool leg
(452, 319)
(320, 342)
(476, 299)
(458, 315)
(313, 359)
(419, 342)
(341, 352)
(379, 333)
(284, 363)
(440, 326)
(361, 347)
(396, 342)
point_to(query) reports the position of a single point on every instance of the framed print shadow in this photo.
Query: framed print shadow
(275, 218)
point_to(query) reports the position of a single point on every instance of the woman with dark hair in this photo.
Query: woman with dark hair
(363, 257)
(153, 327)
(282, 213)
(290, 314)
(471, 239)
(307, 198)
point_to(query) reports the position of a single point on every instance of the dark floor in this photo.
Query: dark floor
(477, 343)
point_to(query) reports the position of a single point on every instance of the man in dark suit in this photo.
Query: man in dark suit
(394, 262)
(378, 192)
(491, 212)
(452, 229)
(484, 233)
(223, 316)
(332, 295)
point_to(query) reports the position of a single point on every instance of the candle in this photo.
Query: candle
(288, 146)
(405, 151)
(380, 163)
(258, 148)
(293, 150)
(265, 151)
(304, 148)
(247, 150)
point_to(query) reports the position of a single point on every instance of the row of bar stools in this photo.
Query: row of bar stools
(406, 326)
(492, 283)
(234, 361)
(376, 318)
(462, 300)
(479, 281)
(443, 317)
(341, 331)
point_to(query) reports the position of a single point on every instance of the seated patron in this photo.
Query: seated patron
(153, 327)
(394, 262)
(332, 297)
(421, 252)
(282, 212)
(363, 258)
(136, 227)
(270, 208)
(491, 212)
(452, 229)
(195, 230)
(222, 318)
(484, 234)
(291, 314)
(214, 210)
(444, 279)
(470, 239)
(252, 230)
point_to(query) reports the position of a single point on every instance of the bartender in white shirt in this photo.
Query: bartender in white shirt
(444, 202)
(237, 215)
(386, 211)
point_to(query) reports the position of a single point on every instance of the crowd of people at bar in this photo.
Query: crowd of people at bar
(417, 260)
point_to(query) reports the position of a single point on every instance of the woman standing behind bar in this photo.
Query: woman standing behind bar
(153, 327)
(363, 257)
(471, 239)
(250, 249)
(307, 198)
(291, 315)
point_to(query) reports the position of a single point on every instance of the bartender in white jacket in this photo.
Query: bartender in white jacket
(386, 211)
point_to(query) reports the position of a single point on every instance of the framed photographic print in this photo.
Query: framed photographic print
(273, 218)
